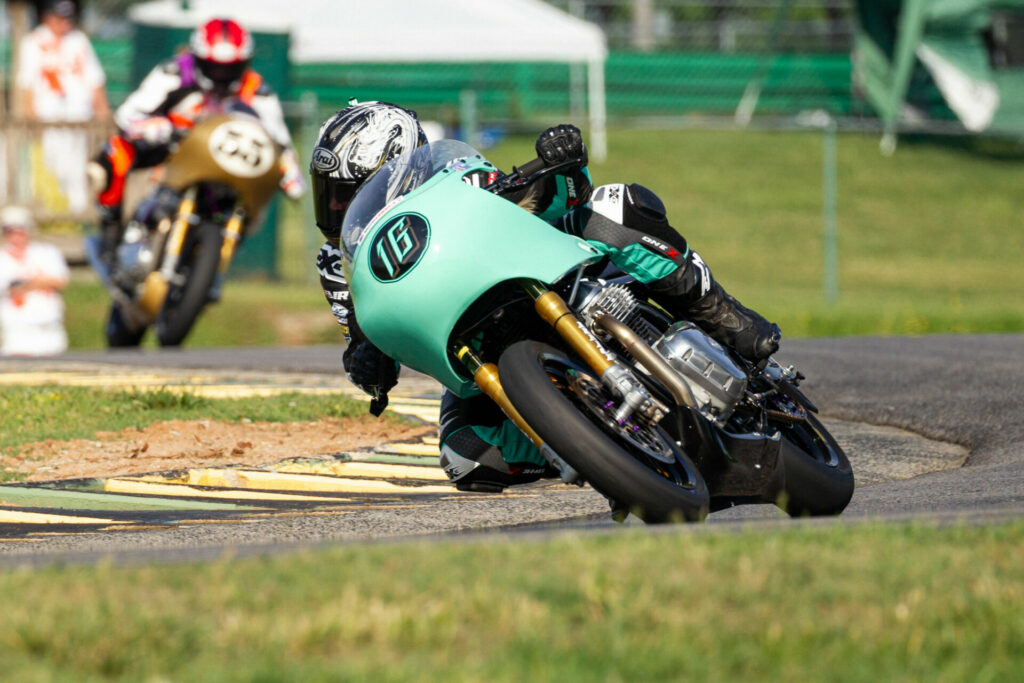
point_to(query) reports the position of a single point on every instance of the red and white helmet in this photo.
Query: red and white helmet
(222, 48)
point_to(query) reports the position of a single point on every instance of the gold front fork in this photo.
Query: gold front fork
(232, 235)
(486, 377)
(179, 230)
(614, 376)
(154, 288)
(556, 313)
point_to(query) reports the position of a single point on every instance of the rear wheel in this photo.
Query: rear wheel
(636, 465)
(819, 479)
(197, 270)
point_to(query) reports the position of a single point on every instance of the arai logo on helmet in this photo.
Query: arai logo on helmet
(398, 246)
(325, 160)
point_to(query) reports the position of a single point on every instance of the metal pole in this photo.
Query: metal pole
(18, 13)
(311, 238)
(598, 114)
(643, 25)
(752, 93)
(911, 23)
(831, 265)
(577, 72)
(18, 167)
(467, 117)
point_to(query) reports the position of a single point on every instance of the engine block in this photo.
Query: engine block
(617, 301)
(716, 381)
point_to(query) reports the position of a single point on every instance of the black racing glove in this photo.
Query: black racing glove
(371, 370)
(561, 143)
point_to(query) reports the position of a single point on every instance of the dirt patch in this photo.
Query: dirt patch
(180, 444)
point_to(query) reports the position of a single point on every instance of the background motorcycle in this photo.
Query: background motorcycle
(181, 239)
(456, 282)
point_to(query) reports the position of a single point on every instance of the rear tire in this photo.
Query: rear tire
(819, 479)
(198, 266)
(541, 381)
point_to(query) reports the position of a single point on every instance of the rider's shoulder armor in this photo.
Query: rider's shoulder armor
(264, 90)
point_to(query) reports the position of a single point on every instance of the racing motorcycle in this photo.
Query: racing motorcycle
(181, 239)
(455, 281)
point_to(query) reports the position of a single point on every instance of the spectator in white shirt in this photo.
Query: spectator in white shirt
(61, 80)
(32, 275)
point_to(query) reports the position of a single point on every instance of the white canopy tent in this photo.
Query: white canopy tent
(410, 31)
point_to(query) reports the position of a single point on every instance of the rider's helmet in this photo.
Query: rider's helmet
(352, 144)
(222, 49)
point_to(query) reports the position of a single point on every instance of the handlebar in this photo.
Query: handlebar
(528, 173)
(529, 168)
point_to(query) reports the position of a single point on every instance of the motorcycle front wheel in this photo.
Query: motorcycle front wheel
(818, 475)
(197, 270)
(635, 465)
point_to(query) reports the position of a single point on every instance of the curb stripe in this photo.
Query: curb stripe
(366, 469)
(254, 479)
(15, 517)
(168, 489)
(409, 449)
(89, 500)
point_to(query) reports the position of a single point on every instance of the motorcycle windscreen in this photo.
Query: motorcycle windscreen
(397, 178)
(431, 255)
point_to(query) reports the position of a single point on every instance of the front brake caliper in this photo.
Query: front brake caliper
(619, 380)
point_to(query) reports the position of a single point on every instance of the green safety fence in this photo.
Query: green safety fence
(637, 84)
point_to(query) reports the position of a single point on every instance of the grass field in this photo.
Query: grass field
(835, 603)
(930, 240)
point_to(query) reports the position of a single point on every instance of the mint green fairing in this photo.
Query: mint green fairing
(476, 241)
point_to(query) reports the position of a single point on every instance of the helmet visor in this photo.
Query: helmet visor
(331, 197)
(221, 74)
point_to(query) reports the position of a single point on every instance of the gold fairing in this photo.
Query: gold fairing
(232, 233)
(194, 161)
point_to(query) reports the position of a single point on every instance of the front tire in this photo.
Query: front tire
(818, 475)
(198, 268)
(545, 387)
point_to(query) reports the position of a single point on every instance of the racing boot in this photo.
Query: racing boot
(731, 323)
(484, 470)
(482, 450)
(690, 292)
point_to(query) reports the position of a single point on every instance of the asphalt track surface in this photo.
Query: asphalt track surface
(962, 389)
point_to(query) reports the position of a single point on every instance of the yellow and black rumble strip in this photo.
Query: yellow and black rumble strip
(395, 474)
